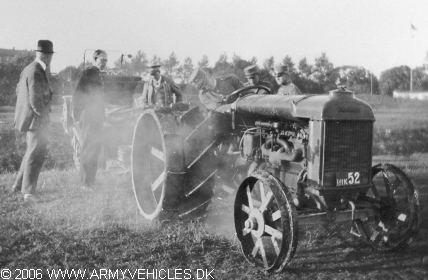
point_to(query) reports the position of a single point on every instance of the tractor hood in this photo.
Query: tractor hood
(339, 104)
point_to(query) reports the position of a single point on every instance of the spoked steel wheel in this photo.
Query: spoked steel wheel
(396, 208)
(266, 221)
(150, 166)
(163, 186)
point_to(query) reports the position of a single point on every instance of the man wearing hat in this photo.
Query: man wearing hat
(159, 89)
(33, 107)
(283, 79)
(89, 116)
(214, 91)
(252, 74)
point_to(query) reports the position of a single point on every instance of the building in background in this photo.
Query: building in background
(7, 54)
(410, 95)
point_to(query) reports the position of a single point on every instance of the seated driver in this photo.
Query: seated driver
(252, 74)
(214, 91)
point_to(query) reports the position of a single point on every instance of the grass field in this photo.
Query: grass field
(103, 229)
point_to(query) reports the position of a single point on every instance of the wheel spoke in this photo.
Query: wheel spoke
(387, 184)
(395, 185)
(246, 209)
(250, 199)
(383, 227)
(262, 192)
(402, 217)
(263, 253)
(274, 232)
(265, 203)
(275, 245)
(276, 215)
(158, 181)
(158, 154)
(245, 231)
(256, 247)
(375, 192)
(374, 235)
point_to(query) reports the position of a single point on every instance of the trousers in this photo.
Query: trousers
(91, 148)
(31, 164)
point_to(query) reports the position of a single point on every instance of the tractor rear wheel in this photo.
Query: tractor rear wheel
(159, 175)
(396, 207)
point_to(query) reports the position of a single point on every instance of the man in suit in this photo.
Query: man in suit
(89, 116)
(252, 74)
(159, 89)
(33, 107)
(283, 79)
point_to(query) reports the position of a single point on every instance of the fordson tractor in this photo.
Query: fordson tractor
(289, 160)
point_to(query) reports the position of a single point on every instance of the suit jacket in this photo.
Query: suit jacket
(88, 97)
(148, 96)
(34, 96)
(215, 99)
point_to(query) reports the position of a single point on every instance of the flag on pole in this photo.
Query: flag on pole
(413, 27)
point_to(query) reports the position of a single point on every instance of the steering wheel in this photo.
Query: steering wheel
(244, 91)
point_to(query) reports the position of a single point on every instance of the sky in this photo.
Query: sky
(376, 35)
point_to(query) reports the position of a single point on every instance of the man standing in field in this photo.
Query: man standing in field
(282, 77)
(33, 107)
(88, 114)
(159, 89)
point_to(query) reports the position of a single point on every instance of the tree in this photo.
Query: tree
(420, 79)
(9, 76)
(289, 62)
(239, 65)
(170, 65)
(305, 68)
(139, 63)
(156, 60)
(397, 78)
(324, 74)
(357, 79)
(222, 66)
(203, 62)
(65, 82)
(187, 68)
(269, 63)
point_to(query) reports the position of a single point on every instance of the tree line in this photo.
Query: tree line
(320, 77)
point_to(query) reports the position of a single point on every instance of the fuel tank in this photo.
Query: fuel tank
(339, 104)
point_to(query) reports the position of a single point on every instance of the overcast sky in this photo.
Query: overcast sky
(373, 34)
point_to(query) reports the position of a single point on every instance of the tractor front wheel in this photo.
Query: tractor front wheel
(266, 221)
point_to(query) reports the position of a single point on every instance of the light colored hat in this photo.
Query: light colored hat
(280, 69)
(200, 78)
(154, 66)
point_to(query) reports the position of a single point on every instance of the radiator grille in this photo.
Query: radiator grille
(348, 147)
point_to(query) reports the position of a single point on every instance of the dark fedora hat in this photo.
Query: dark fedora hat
(45, 46)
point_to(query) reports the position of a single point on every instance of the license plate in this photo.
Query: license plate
(347, 178)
